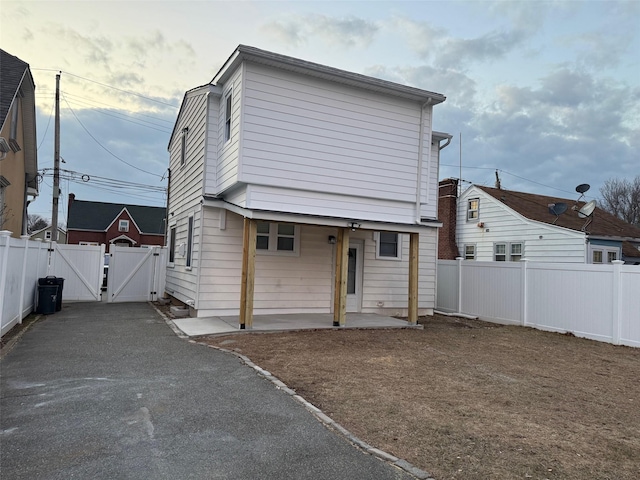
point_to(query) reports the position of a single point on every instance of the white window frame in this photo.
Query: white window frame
(123, 225)
(512, 254)
(503, 254)
(47, 235)
(379, 242)
(93, 244)
(473, 254)
(183, 146)
(171, 245)
(473, 214)
(189, 253)
(228, 117)
(273, 241)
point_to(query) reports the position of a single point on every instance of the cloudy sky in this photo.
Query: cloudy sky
(548, 93)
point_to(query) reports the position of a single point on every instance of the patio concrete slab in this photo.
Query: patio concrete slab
(285, 322)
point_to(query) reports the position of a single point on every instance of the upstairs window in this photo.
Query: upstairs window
(278, 238)
(183, 146)
(389, 245)
(473, 207)
(227, 116)
(123, 226)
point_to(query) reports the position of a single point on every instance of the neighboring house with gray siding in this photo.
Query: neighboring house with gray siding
(309, 153)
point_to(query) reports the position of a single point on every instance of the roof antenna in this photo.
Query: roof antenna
(497, 180)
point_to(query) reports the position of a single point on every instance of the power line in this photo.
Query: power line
(170, 122)
(108, 86)
(105, 148)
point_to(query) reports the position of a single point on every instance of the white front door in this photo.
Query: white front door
(354, 276)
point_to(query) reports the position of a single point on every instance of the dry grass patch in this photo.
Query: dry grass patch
(469, 400)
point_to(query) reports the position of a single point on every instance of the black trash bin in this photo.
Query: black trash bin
(59, 282)
(47, 297)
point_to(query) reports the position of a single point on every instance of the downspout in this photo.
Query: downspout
(420, 153)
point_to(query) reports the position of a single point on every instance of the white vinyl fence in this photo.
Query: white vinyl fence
(137, 274)
(601, 302)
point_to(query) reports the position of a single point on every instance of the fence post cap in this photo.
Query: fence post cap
(5, 233)
(617, 262)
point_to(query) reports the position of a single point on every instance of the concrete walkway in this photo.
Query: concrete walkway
(109, 391)
(272, 323)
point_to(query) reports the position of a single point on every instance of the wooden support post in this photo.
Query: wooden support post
(414, 256)
(248, 273)
(340, 288)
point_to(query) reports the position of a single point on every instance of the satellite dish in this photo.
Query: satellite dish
(583, 187)
(557, 209)
(587, 209)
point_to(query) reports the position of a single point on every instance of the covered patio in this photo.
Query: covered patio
(194, 327)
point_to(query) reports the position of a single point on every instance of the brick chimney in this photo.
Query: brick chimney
(447, 214)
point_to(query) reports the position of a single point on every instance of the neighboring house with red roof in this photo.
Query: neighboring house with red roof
(493, 224)
(18, 152)
(95, 223)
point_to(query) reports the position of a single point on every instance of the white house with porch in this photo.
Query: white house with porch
(300, 188)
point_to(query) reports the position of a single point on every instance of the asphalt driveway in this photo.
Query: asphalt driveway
(109, 391)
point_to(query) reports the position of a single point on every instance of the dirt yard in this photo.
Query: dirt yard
(465, 399)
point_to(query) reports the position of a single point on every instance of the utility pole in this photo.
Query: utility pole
(56, 166)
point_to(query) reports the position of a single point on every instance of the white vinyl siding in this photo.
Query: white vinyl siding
(284, 284)
(186, 193)
(227, 164)
(388, 282)
(540, 242)
(305, 136)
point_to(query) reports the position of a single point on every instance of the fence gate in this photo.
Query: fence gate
(81, 268)
(136, 274)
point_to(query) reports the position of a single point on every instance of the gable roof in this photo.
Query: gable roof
(536, 207)
(256, 55)
(98, 216)
(16, 79)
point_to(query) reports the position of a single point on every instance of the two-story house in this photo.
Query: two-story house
(96, 223)
(18, 152)
(494, 224)
(300, 188)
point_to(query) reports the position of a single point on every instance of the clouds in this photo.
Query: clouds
(297, 30)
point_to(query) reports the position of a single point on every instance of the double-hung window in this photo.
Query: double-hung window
(389, 246)
(278, 238)
(123, 225)
(500, 252)
(512, 252)
(473, 209)
(469, 252)
(516, 252)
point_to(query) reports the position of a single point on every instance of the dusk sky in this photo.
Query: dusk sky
(548, 93)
